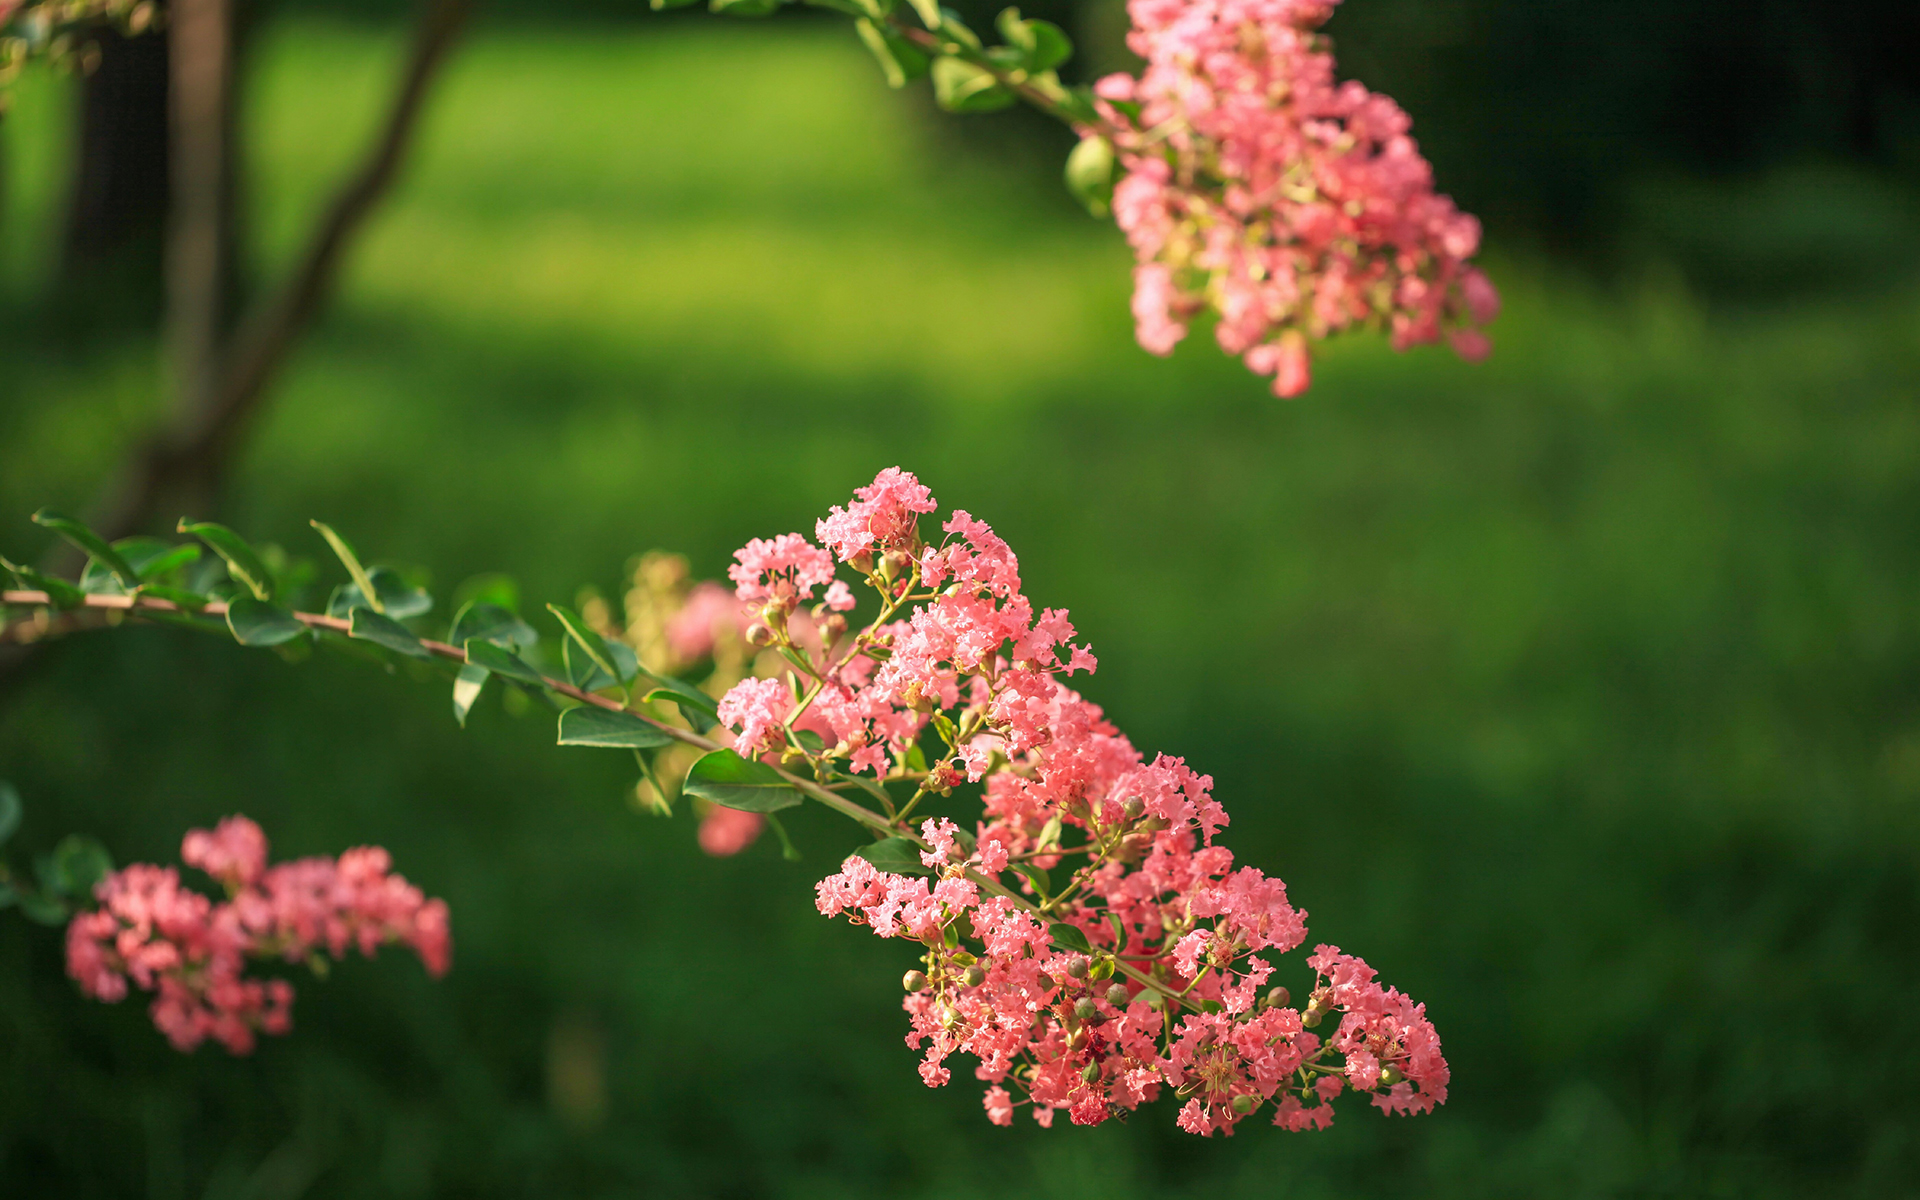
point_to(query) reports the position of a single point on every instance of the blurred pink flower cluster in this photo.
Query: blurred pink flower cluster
(192, 951)
(1087, 941)
(1290, 205)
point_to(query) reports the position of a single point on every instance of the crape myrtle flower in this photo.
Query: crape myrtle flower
(192, 952)
(1289, 205)
(1087, 942)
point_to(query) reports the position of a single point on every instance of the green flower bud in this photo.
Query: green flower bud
(1134, 809)
(1390, 1075)
(1077, 966)
(1277, 998)
(1117, 995)
(1243, 1104)
(1091, 1072)
(914, 981)
(975, 977)
(759, 635)
(1085, 1009)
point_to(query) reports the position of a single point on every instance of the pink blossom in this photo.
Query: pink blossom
(781, 571)
(755, 710)
(710, 611)
(192, 952)
(881, 517)
(727, 831)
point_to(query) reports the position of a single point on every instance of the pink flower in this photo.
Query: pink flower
(755, 710)
(709, 612)
(192, 952)
(1291, 205)
(781, 571)
(727, 831)
(234, 852)
(881, 517)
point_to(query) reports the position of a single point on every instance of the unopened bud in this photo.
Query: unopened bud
(1243, 1104)
(774, 613)
(792, 757)
(833, 627)
(862, 562)
(1134, 809)
(1310, 1018)
(1077, 966)
(1085, 1009)
(759, 635)
(948, 1017)
(1117, 995)
(1091, 1072)
(975, 977)
(914, 981)
(1390, 1075)
(1278, 997)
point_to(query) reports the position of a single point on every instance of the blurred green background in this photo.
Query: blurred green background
(1578, 691)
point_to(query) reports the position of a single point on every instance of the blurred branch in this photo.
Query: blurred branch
(218, 401)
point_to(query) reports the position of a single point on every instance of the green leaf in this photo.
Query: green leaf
(809, 741)
(695, 705)
(954, 29)
(626, 664)
(743, 8)
(900, 60)
(351, 562)
(788, 850)
(466, 690)
(588, 640)
(735, 782)
(91, 543)
(79, 863)
(191, 601)
(43, 910)
(257, 623)
(503, 662)
(397, 597)
(929, 11)
(1042, 45)
(1069, 937)
(896, 854)
(962, 87)
(154, 558)
(381, 630)
(60, 593)
(243, 562)
(482, 621)
(1042, 883)
(98, 580)
(10, 810)
(582, 671)
(1089, 174)
(591, 725)
(1119, 932)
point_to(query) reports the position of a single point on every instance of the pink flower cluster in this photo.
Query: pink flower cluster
(1290, 205)
(1088, 941)
(192, 951)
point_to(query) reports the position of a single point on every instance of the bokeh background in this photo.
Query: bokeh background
(1579, 691)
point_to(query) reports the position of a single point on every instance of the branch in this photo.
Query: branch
(196, 452)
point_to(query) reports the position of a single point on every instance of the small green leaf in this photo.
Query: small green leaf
(10, 810)
(60, 593)
(809, 741)
(962, 87)
(503, 662)
(587, 639)
(370, 626)
(43, 910)
(788, 850)
(482, 621)
(351, 562)
(929, 11)
(257, 623)
(1119, 931)
(97, 579)
(695, 705)
(79, 863)
(582, 671)
(735, 782)
(1042, 883)
(466, 690)
(191, 601)
(591, 725)
(1069, 937)
(91, 543)
(1042, 45)
(900, 60)
(154, 558)
(626, 664)
(1089, 174)
(243, 562)
(398, 598)
(896, 854)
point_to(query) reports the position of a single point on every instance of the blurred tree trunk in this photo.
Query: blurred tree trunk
(117, 207)
(200, 235)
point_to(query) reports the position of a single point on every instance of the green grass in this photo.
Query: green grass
(1577, 690)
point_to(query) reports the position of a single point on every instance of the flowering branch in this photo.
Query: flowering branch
(1140, 971)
